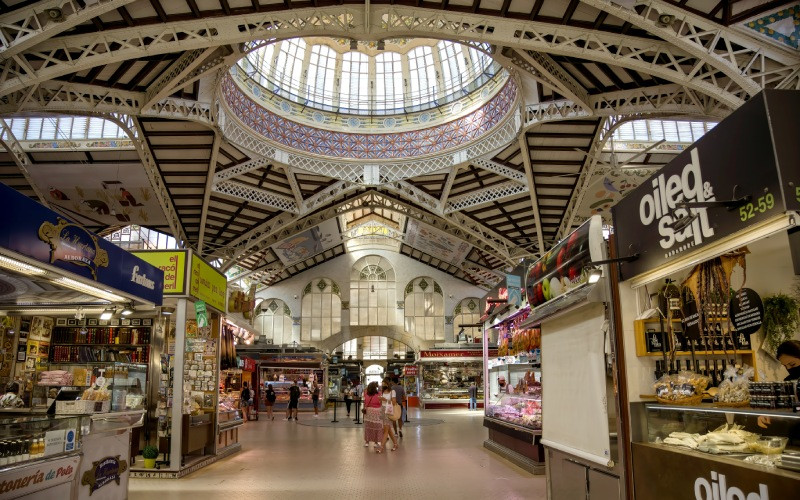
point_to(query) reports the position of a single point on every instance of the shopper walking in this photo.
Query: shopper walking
(244, 401)
(294, 400)
(373, 417)
(348, 391)
(388, 400)
(269, 399)
(473, 396)
(315, 398)
(400, 393)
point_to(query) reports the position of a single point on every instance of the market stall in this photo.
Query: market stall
(715, 231)
(446, 375)
(282, 370)
(80, 312)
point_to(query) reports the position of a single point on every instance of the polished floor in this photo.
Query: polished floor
(281, 459)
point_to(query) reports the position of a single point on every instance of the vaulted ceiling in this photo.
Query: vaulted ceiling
(153, 66)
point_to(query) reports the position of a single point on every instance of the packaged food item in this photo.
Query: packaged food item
(685, 387)
(734, 389)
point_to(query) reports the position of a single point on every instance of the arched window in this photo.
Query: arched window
(422, 75)
(274, 321)
(321, 75)
(479, 59)
(424, 309)
(389, 81)
(467, 312)
(322, 310)
(355, 77)
(289, 67)
(372, 292)
(454, 69)
(261, 60)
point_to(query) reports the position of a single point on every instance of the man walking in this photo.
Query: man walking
(473, 396)
(400, 395)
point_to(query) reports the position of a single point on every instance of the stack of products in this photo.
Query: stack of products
(772, 394)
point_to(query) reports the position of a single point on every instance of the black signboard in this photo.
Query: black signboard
(736, 158)
(747, 311)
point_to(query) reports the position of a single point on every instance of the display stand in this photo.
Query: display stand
(446, 375)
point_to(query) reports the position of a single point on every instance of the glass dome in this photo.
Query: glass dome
(388, 77)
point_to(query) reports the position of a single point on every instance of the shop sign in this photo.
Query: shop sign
(455, 354)
(747, 311)
(173, 263)
(23, 481)
(201, 314)
(668, 474)
(410, 371)
(514, 286)
(35, 231)
(736, 158)
(247, 364)
(207, 284)
(103, 472)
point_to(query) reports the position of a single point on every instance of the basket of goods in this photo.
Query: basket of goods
(683, 388)
(733, 390)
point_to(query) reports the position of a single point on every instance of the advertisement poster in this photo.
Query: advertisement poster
(41, 327)
(173, 263)
(308, 243)
(207, 284)
(435, 242)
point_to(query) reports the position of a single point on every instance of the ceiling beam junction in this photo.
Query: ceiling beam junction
(21, 158)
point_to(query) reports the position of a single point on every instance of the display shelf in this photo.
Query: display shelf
(741, 343)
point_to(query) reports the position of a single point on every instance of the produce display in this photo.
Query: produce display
(561, 269)
(515, 341)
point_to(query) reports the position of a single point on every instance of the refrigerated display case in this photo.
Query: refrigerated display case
(515, 394)
(679, 451)
(445, 383)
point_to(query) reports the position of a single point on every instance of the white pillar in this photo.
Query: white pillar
(177, 386)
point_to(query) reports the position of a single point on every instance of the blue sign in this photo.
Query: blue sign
(35, 231)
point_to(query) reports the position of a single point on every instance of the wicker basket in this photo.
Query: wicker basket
(740, 404)
(689, 401)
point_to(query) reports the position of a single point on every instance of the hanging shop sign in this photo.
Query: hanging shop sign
(514, 286)
(508, 290)
(455, 354)
(207, 284)
(36, 232)
(201, 314)
(173, 263)
(23, 481)
(737, 158)
(561, 269)
(410, 371)
(103, 472)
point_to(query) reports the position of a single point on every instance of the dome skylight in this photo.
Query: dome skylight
(379, 78)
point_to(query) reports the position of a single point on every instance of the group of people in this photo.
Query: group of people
(270, 397)
(384, 411)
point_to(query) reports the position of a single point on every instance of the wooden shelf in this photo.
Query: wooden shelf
(702, 353)
(98, 345)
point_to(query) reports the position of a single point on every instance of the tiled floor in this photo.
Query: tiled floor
(285, 460)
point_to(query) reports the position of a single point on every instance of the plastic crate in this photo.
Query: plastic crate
(82, 407)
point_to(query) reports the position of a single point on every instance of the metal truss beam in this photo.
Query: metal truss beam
(241, 169)
(256, 195)
(80, 52)
(298, 194)
(542, 66)
(537, 219)
(12, 145)
(24, 28)
(607, 126)
(485, 195)
(748, 64)
(212, 166)
(133, 127)
(671, 99)
(501, 170)
(448, 185)
(167, 83)
(58, 96)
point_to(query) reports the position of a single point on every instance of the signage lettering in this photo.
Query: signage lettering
(28, 480)
(103, 472)
(661, 205)
(455, 354)
(74, 244)
(718, 489)
(173, 263)
(141, 279)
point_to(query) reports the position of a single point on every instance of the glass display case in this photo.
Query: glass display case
(742, 449)
(27, 438)
(449, 381)
(515, 393)
(228, 412)
(125, 382)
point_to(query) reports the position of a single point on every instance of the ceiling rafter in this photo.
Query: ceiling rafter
(542, 65)
(526, 161)
(501, 170)
(485, 195)
(256, 195)
(448, 185)
(650, 56)
(166, 83)
(212, 166)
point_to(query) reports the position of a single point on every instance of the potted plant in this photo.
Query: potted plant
(780, 321)
(150, 453)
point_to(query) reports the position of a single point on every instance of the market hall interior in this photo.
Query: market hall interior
(563, 234)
